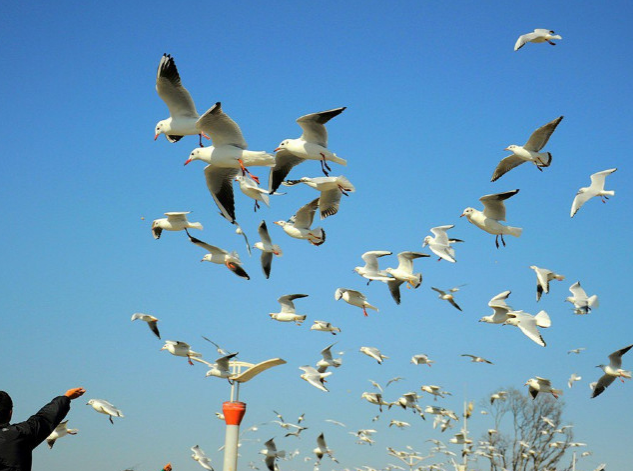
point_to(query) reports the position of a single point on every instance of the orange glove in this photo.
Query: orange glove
(167, 467)
(74, 393)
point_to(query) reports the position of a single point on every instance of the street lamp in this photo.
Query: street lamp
(234, 410)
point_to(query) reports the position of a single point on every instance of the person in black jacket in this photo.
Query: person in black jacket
(18, 441)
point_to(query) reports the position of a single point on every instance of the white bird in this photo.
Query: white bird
(403, 273)
(151, 321)
(498, 396)
(541, 385)
(494, 211)
(440, 245)
(311, 145)
(573, 378)
(288, 313)
(104, 407)
(529, 152)
(271, 454)
(218, 349)
(323, 326)
(394, 380)
(314, 377)
(335, 422)
(371, 271)
(298, 226)
(221, 257)
(331, 188)
(400, 424)
(434, 391)
(322, 449)
(250, 188)
(448, 296)
(421, 359)
(267, 247)
(180, 349)
(374, 398)
(60, 431)
(539, 35)
(328, 360)
(548, 421)
(583, 304)
(528, 324)
(201, 458)
(219, 369)
(543, 277)
(355, 298)
(576, 350)
(596, 189)
(500, 309)
(611, 371)
(226, 157)
(182, 110)
(460, 438)
(376, 385)
(374, 353)
(408, 401)
(175, 221)
(476, 359)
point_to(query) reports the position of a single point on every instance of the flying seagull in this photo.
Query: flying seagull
(440, 245)
(611, 371)
(543, 277)
(288, 313)
(221, 257)
(494, 211)
(539, 35)
(596, 189)
(267, 247)
(175, 221)
(151, 322)
(298, 226)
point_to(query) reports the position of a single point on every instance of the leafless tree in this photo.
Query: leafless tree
(530, 444)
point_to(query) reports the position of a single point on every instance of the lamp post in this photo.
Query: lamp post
(234, 410)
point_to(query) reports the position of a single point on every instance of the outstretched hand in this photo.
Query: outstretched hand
(74, 393)
(167, 467)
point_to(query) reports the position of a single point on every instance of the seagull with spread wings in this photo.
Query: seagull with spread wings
(595, 189)
(221, 257)
(298, 226)
(494, 211)
(612, 371)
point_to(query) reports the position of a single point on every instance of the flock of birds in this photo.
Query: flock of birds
(228, 160)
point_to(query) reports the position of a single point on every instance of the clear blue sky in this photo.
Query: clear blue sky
(434, 93)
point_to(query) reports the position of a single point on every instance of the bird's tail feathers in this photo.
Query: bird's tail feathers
(592, 301)
(258, 159)
(195, 225)
(369, 306)
(318, 233)
(337, 159)
(543, 320)
(514, 231)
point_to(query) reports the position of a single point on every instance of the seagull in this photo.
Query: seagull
(543, 277)
(440, 245)
(574, 377)
(611, 371)
(421, 359)
(596, 189)
(371, 270)
(576, 350)
(201, 458)
(374, 398)
(541, 385)
(225, 158)
(314, 377)
(288, 313)
(271, 454)
(182, 111)
(448, 296)
(498, 396)
(404, 274)
(322, 449)
(249, 187)
(311, 145)
(500, 309)
(375, 384)
(221, 257)
(60, 431)
(335, 422)
(539, 35)
(180, 349)
(408, 400)
(151, 322)
(175, 221)
(582, 303)
(324, 326)
(219, 349)
(267, 247)
(355, 298)
(219, 369)
(328, 360)
(331, 188)
(104, 407)
(398, 423)
(529, 152)
(476, 359)
(374, 353)
(548, 421)
(494, 211)
(394, 380)
(528, 324)
(434, 391)
(298, 226)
